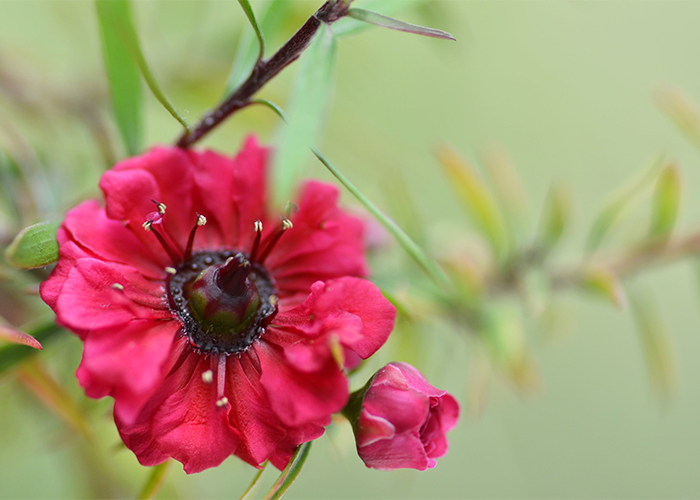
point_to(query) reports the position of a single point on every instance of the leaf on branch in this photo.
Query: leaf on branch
(18, 337)
(603, 283)
(274, 107)
(245, 5)
(620, 203)
(114, 17)
(656, 344)
(376, 19)
(307, 107)
(11, 355)
(290, 472)
(666, 201)
(348, 26)
(555, 216)
(34, 246)
(476, 198)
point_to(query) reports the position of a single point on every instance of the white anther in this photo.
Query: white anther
(117, 286)
(258, 226)
(208, 377)
(161, 208)
(148, 225)
(286, 224)
(222, 402)
(228, 261)
(201, 220)
(171, 270)
(274, 299)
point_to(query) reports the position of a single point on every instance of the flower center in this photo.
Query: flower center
(224, 301)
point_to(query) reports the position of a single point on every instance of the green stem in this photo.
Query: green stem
(155, 481)
(429, 267)
(254, 483)
(290, 472)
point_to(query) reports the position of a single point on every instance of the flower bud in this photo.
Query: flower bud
(400, 420)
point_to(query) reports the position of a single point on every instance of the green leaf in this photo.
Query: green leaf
(254, 23)
(274, 107)
(618, 204)
(117, 14)
(429, 267)
(477, 199)
(348, 26)
(666, 200)
(603, 283)
(555, 216)
(370, 17)
(11, 355)
(156, 480)
(114, 18)
(254, 483)
(660, 359)
(306, 108)
(272, 15)
(681, 110)
(35, 246)
(290, 472)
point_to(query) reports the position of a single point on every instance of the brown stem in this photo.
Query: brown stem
(264, 70)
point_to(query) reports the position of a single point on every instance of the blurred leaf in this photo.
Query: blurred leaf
(35, 246)
(348, 26)
(114, 18)
(9, 188)
(18, 337)
(156, 480)
(478, 384)
(604, 283)
(431, 269)
(655, 341)
(508, 188)
(502, 332)
(666, 201)
(256, 27)
(555, 216)
(272, 14)
(12, 354)
(402, 206)
(370, 17)
(290, 472)
(307, 108)
(254, 483)
(679, 108)
(274, 107)
(613, 210)
(42, 384)
(476, 197)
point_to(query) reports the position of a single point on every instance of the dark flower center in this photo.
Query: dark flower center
(225, 302)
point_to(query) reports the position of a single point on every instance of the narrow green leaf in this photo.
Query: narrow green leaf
(602, 282)
(122, 72)
(654, 337)
(307, 107)
(274, 107)
(429, 267)
(370, 17)
(18, 337)
(666, 201)
(11, 355)
(682, 111)
(348, 26)
(272, 15)
(118, 14)
(156, 480)
(555, 216)
(254, 483)
(290, 472)
(477, 199)
(254, 23)
(619, 203)
(35, 246)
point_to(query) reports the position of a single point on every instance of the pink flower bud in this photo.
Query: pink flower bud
(400, 420)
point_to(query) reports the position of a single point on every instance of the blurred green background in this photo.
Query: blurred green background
(565, 88)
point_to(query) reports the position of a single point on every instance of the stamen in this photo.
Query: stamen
(117, 286)
(169, 249)
(161, 207)
(208, 376)
(221, 381)
(258, 229)
(171, 271)
(286, 224)
(201, 220)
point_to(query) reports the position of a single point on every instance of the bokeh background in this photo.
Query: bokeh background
(566, 89)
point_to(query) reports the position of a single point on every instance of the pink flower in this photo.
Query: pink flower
(218, 330)
(400, 420)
